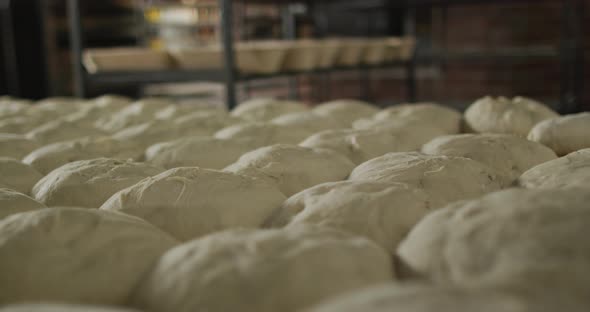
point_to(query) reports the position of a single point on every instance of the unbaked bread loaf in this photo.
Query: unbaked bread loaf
(501, 115)
(508, 155)
(519, 239)
(264, 133)
(358, 145)
(381, 212)
(434, 115)
(17, 176)
(191, 202)
(204, 152)
(444, 178)
(262, 271)
(16, 146)
(265, 109)
(75, 255)
(207, 122)
(132, 114)
(564, 134)
(62, 130)
(346, 111)
(410, 134)
(49, 157)
(570, 171)
(12, 202)
(310, 121)
(61, 307)
(89, 183)
(293, 168)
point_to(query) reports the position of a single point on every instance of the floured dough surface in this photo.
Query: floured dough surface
(89, 183)
(444, 118)
(509, 155)
(204, 152)
(426, 298)
(409, 134)
(502, 115)
(49, 157)
(444, 178)
(515, 238)
(358, 145)
(61, 130)
(133, 114)
(75, 255)
(56, 307)
(293, 168)
(564, 134)
(309, 120)
(570, 171)
(346, 111)
(17, 176)
(262, 271)
(16, 146)
(206, 122)
(382, 212)
(264, 133)
(191, 202)
(12, 202)
(265, 109)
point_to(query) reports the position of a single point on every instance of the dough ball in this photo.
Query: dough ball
(264, 133)
(517, 238)
(309, 120)
(426, 298)
(293, 168)
(111, 102)
(16, 146)
(444, 118)
(564, 134)
(508, 155)
(265, 109)
(444, 178)
(17, 176)
(346, 110)
(206, 122)
(262, 270)
(133, 114)
(382, 212)
(358, 145)
(501, 115)
(409, 134)
(201, 152)
(12, 202)
(61, 130)
(148, 133)
(49, 157)
(192, 202)
(12, 106)
(89, 183)
(18, 124)
(570, 171)
(61, 307)
(76, 255)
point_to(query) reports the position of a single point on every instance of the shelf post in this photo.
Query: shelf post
(228, 53)
(76, 42)
(572, 57)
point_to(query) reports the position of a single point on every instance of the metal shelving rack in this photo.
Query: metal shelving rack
(570, 53)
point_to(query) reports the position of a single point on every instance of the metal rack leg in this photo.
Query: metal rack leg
(76, 42)
(228, 53)
(572, 57)
(410, 30)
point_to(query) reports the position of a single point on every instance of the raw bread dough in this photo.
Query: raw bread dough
(444, 178)
(346, 111)
(358, 145)
(61, 130)
(501, 115)
(12, 202)
(192, 202)
(12, 106)
(265, 109)
(447, 119)
(111, 102)
(293, 168)
(382, 212)
(508, 155)
(430, 298)
(308, 120)
(61, 307)
(570, 171)
(16, 146)
(17, 176)
(201, 152)
(564, 134)
(149, 133)
(409, 134)
(89, 183)
(18, 124)
(517, 238)
(75, 255)
(133, 114)
(206, 122)
(52, 156)
(262, 271)
(264, 133)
